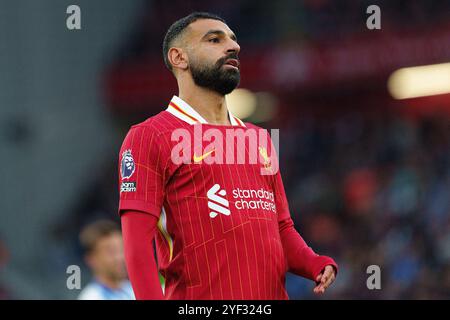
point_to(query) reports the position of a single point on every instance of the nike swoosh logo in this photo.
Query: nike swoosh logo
(203, 156)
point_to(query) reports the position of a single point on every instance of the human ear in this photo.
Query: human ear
(178, 58)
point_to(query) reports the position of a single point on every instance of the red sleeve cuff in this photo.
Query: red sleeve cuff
(139, 205)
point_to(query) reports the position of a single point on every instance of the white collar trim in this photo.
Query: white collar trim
(182, 110)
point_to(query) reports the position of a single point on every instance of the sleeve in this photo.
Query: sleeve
(138, 231)
(142, 171)
(301, 259)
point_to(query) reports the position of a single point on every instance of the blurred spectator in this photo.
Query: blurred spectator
(102, 241)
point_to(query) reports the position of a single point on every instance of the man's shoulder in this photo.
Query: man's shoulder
(159, 123)
(250, 125)
(126, 287)
(91, 292)
(154, 133)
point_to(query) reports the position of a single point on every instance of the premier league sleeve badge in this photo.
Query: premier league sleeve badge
(128, 166)
(127, 169)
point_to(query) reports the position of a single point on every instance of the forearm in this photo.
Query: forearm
(138, 231)
(301, 259)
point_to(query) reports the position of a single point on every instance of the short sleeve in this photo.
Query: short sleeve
(142, 167)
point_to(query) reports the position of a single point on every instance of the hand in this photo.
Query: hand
(325, 279)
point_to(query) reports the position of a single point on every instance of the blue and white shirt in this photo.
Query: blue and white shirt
(98, 291)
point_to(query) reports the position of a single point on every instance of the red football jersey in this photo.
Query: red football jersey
(218, 213)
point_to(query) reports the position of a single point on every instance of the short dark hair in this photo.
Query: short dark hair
(95, 231)
(178, 27)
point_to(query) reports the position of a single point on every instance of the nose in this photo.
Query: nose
(233, 47)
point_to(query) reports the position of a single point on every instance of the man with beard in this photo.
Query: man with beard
(212, 241)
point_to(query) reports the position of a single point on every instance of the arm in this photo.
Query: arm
(302, 260)
(138, 229)
(142, 173)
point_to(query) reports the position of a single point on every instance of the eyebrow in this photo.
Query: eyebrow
(219, 33)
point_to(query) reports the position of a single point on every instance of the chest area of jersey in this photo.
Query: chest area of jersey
(226, 191)
(224, 174)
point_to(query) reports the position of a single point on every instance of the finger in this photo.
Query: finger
(329, 282)
(327, 274)
(317, 289)
(319, 277)
(326, 280)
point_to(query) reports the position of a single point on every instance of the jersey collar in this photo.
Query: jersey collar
(182, 110)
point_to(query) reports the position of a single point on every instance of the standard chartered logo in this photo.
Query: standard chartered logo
(244, 199)
(217, 203)
(254, 199)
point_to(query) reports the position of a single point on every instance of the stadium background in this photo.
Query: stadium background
(367, 175)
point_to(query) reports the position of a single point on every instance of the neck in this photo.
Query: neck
(110, 283)
(211, 105)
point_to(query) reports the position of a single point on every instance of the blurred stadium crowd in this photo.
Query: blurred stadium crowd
(364, 187)
(374, 191)
(272, 22)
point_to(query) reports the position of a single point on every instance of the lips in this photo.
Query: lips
(233, 62)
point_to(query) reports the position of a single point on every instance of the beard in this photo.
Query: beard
(116, 274)
(215, 77)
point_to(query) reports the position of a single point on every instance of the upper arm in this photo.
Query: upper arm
(142, 171)
(138, 224)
